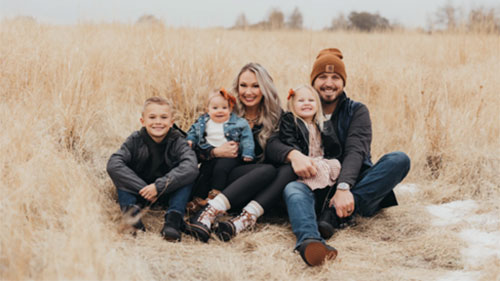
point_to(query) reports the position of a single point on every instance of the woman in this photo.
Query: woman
(255, 187)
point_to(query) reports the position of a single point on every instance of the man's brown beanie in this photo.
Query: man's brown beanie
(330, 61)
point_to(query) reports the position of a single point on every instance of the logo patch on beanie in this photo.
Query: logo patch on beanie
(329, 68)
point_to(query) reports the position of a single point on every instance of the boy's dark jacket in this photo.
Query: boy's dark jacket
(132, 157)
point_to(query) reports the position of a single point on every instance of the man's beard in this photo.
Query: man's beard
(324, 101)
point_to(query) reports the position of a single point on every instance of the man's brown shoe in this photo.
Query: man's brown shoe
(315, 252)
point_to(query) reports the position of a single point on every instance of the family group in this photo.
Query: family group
(246, 153)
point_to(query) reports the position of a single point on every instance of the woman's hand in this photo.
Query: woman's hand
(227, 150)
(302, 165)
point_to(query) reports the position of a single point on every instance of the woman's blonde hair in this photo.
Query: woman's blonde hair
(318, 118)
(270, 108)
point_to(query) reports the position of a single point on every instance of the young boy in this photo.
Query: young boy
(155, 162)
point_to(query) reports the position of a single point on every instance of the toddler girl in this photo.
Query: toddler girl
(214, 128)
(302, 128)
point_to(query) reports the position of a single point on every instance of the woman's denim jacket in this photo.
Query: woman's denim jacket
(235, 129)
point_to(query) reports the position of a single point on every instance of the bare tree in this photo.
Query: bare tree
(276, 19)
(241, 22)
(453, 18)
(149, 19)
(365, 21)
(295, 19)
(483, 20)
(339, 23)
(447, 16)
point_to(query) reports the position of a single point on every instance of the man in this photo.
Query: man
(362, 188)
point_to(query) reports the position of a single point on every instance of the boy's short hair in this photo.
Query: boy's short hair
(160, 101)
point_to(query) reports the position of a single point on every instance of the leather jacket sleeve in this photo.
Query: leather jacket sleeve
(276, 149)
(290, 133)
(119, 169)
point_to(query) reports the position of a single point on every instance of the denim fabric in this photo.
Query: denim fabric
(372, 193)
(235, 129)
(300, 202)
(177, 200)
(126, 199)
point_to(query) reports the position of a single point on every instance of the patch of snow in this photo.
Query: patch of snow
(452, 212)
(481, 243)
(461, 276)
(409, 188)
(481, 246)
(486, 220)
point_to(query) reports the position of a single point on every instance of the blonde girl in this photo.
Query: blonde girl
(303, 129)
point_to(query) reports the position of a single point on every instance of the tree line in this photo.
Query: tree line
(446, 18)
(275, 20)
(455, 18)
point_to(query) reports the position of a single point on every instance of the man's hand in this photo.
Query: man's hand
(149, 192)
(190, 143)
(227, 150)
(247, 159)
(343, 200)
(302, 165)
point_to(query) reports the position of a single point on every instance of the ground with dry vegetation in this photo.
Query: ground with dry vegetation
(70, 95)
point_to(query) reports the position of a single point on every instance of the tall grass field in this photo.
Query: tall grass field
(70, 95)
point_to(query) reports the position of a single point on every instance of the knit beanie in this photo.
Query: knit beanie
(330, 61)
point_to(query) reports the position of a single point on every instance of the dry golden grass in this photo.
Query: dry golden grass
(70, 95)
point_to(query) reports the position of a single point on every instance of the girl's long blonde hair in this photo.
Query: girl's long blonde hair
(318, 118)
(270, 108)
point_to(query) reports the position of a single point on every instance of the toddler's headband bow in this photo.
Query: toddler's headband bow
(230, 99)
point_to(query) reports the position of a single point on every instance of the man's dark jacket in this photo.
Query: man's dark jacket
(133, 155)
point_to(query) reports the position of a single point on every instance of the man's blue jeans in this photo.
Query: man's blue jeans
(377, 183)
(177, 200)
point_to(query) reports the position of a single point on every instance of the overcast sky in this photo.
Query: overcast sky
(207, 13)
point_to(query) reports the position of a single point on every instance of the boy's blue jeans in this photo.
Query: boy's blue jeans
(377, 183)
(177, 200)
